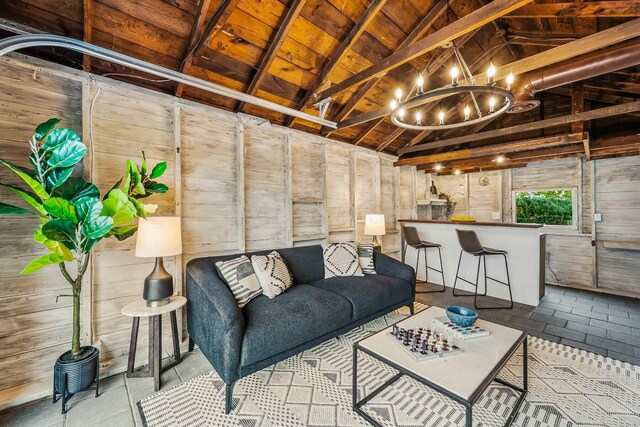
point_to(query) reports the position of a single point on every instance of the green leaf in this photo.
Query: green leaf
(88, 208)
(60, 208)
(32, 183)
(44, 128)
(140, 211)
(116, 185)
(60, 137)
(118, 207)
(66, 155)
(60, 230)
(123, 235)
(143, 165)
(55, 247)
(87, 244)
(27, 197)
(97, 228)
(156, 187)
(75, 188)
(6, 209)
(135, 186)
(43, 261)
(56, 177)
(158, 170)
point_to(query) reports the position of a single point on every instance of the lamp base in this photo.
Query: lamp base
(377, 246)
(158, 286)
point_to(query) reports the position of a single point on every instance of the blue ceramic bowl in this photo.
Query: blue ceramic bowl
(461, 316)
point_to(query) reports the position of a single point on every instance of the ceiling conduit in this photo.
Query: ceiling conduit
(584, 67)
(14, 43)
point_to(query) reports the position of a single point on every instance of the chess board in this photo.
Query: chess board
(424, 343)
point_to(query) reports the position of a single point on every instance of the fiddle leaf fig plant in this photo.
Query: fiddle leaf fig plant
(73, 217)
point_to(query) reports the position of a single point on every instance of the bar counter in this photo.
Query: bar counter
(523, 242)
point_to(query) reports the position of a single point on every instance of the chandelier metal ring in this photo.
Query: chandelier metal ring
(441, 93)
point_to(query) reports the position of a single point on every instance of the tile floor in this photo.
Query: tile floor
(606, 325)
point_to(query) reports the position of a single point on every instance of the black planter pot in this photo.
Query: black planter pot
(72, 375)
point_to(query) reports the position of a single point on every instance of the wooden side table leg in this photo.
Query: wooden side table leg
(157, 348)
(152, 359)
(132, 347)
(174, 335)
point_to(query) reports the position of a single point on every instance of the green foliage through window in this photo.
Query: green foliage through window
(554, 207)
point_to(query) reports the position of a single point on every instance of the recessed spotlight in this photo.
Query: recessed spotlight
(457, 172)
(500, 159)
(438, 167)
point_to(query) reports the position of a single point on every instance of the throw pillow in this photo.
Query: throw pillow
(365, 256)
(341, 259)
(273, 273)
(241, 279)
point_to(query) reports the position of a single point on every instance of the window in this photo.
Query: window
(549, 207)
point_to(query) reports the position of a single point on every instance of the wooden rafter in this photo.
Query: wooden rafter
(365, 132)
(577, 106)
(202, 36)
(600, 113)
(420, 29)
(87, 36)
(346, 44)
(274, 47)
(495, 149)
(462, 26)
(591, 9)
(390, 138)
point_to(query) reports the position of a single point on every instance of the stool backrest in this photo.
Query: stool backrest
(469, 241)
(411, 236)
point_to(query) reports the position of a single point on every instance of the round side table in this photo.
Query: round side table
(139, 309)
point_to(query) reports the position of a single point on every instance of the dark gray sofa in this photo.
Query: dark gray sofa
(238, 342)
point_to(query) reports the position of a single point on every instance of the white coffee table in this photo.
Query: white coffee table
(462, 378)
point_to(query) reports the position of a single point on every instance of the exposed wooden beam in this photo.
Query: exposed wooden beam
(495, 149)
(600, 113)
(389, 139)
(420, 29)
(577, 106)
(591, 9)
(87, 24)
(462, 26)
(202, 36)
(346, 44)
(365, 132)
(596, 95)
(274, 47)
(485, 169)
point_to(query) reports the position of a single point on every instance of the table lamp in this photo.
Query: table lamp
(158, 236)
(374, 226)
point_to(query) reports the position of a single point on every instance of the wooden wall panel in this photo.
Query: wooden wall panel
(617, 199)
(123, 125)
(407, 187)
(389, 205)
(553, 174)
(340, 193)
(267, 189)
(456, 187)
(36, 328)
(367, 186)
(484, 195)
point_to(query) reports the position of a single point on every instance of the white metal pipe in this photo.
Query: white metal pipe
(14, 43)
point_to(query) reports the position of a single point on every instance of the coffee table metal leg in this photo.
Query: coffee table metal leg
(525, 364)
(469, 415)
(354, 376)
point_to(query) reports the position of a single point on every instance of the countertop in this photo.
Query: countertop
(484, 224)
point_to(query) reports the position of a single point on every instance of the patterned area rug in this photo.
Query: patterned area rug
(567, 387)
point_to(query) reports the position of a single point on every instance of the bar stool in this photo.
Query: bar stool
(412, 238)
(470, 244)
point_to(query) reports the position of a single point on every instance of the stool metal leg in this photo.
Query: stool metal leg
(457, 272)
(507, 283)
(475, 285)
(441, 271)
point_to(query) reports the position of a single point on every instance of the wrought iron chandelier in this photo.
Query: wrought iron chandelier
(410, 113)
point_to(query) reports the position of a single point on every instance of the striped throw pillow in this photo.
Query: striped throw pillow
(273, 273)
(341, 259)
(241, 279)
(365, 256)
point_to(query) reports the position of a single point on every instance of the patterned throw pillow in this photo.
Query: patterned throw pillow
(365, 256)
(273, 273)
(341, 259)
(241, 279)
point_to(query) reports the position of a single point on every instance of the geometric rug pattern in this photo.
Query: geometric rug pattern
(567, 387)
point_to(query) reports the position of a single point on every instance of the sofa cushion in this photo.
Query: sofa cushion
(367, 294)
(340, 260)
(273, 274)
(299, 315)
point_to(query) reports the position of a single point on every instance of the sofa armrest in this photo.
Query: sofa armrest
(387, 266)
(214, 320)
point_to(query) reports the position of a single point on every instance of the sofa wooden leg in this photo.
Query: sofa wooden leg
(228, 397)
(192, 344)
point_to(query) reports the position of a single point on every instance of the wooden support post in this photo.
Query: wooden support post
(87, 23)
(577, 106)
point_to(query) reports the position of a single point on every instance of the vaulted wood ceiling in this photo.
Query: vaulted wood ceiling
(287, 51)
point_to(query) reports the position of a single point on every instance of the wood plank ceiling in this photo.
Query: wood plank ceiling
(287, 51)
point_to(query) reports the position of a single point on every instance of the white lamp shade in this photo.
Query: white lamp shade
(159, 236)
(374, 225)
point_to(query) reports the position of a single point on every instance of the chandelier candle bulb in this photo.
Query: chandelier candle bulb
(401, 113)
(418, 118)
(420, 83)
(492, 104)
(441, 118)
(399, 94)
(393, 104)
(491, 73)
(467, 113)
(454, 76)
(510, 80)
